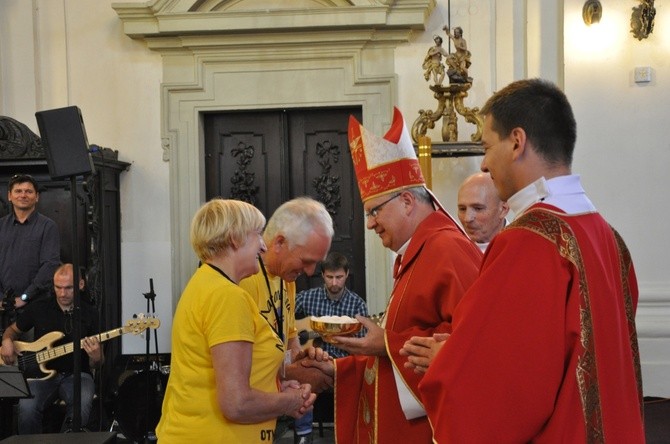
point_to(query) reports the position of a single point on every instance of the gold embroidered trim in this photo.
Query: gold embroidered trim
(625, 262)
(370, 373)
(374, 434)
(368, 414)
(556, 230)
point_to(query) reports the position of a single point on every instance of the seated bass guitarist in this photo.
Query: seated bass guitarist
(49, 316)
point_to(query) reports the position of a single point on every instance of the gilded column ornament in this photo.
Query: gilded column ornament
(642, 19)
(450, 98)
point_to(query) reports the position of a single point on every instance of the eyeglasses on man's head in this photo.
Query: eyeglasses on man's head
(22, 178)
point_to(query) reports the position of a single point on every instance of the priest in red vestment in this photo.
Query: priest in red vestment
(544, 346)
(376, 398)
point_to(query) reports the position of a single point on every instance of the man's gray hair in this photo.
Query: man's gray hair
(421, 194)
(296, 219)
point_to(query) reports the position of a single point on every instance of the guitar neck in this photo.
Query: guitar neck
(62, 350)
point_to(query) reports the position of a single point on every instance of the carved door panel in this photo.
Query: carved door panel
(268, 157)
(245, 158)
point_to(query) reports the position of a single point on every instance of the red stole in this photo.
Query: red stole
(439, 265)
(544, 346)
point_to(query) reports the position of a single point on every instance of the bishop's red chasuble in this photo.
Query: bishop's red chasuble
(544, 346)
(439, 265)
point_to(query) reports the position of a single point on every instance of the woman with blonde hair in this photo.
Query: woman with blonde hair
(224, 382)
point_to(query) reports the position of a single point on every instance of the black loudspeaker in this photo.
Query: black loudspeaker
(65, 143)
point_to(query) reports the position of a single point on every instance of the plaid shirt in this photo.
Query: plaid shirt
(315, 302)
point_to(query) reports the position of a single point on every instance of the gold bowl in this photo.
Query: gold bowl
(328, 329)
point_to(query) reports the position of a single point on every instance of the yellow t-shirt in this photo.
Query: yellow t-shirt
(212, 310)
(257, 287)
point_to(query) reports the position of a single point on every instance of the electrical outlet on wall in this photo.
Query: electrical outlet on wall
(642, 74)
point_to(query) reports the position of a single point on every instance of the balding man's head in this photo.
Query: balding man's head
(480, 210)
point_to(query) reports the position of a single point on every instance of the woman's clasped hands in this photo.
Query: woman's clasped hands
(301, 400)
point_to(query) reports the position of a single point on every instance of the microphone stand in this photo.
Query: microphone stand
(76, 318)
(149, 435)
(151, 310)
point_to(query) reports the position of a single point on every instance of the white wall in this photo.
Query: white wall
(56, 53)
(622, 151)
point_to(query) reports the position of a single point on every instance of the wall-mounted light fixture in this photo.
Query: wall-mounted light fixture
(592, 12)
(642, 20)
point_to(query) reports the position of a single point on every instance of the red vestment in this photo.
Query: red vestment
(544, 347)
(439, 265)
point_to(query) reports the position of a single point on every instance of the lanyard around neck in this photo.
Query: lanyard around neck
(221, 272)
(279, 313)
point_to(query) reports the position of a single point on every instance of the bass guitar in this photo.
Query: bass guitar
(34, 355)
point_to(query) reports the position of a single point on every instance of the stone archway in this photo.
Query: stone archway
(253, 54)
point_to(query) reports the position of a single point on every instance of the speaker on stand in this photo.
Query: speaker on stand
(65, 142)
(67, 152)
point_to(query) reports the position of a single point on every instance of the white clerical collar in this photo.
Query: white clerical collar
(563, 192)
(402, 249)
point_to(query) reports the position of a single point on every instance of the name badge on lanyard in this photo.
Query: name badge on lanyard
(286, 362)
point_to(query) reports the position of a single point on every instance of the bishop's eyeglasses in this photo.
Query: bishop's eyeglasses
(374, 211)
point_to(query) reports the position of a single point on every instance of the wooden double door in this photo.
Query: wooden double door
(268, 157)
